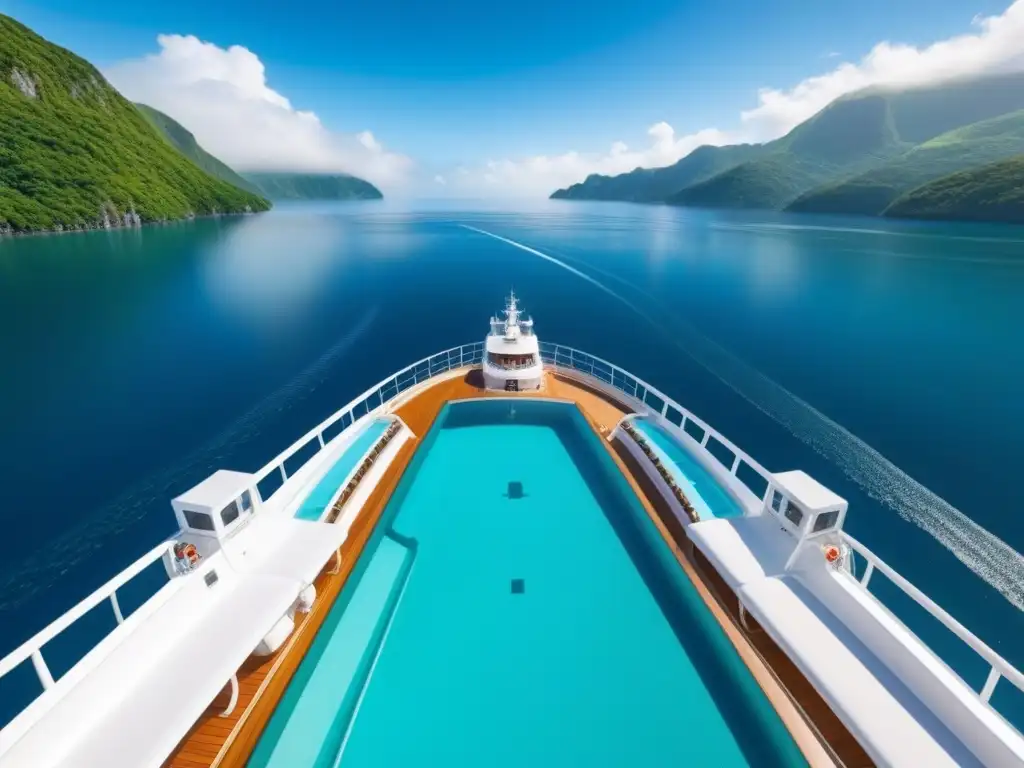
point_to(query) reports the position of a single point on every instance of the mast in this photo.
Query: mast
(511, 316)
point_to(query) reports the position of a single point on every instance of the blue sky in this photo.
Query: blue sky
(451, 84)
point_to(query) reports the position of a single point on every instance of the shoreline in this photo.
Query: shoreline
(9, 233)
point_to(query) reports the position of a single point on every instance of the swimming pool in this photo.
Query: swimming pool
(706, 495)
(316, 503)
(515, 607)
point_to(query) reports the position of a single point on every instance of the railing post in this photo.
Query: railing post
(867, 573)
(735, 464)
(704, 440)
(117, 607)
(664, 409)
(990, 684)
(284, 474)
(320, 437)
(42, 671)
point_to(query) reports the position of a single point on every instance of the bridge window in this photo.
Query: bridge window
(229, 514)
(794, 514)
(198, 521)
(826, 520)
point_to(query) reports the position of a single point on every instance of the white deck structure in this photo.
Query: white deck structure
(512, 353)
(131, 698)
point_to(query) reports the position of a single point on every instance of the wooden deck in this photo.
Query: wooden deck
(215, 741)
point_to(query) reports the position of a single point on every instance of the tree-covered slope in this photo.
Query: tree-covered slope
(74, 153)
(872, 192)
(183, 140)
(851, 136)
(767, 183)
(994, 192)
(848, 135)
(656, 184)
(310, 186)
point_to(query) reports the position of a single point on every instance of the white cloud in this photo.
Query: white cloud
(221, 95)
(542, 174)
(995, 45)
(439, 179)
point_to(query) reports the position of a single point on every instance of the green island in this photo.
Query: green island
(313, 186)
(75, 154)
(862, 154)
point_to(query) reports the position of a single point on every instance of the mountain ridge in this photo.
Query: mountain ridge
(852, 137)
(183, 140)
(993, 192)
(280, 185)
(870, 193)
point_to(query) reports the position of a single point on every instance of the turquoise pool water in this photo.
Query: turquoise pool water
(708, 497)
(315, 504)
(517, 607)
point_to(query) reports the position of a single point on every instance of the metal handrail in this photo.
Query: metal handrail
(468, 354)
(998, 666)
(586, 365)
(32, 648)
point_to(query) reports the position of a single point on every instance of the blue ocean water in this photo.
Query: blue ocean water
(513, 637)
(882, 357)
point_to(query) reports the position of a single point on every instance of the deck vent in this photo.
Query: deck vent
(515, 490)
(518, 586)
(210, 578)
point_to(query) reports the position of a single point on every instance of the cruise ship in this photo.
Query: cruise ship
(510, 553)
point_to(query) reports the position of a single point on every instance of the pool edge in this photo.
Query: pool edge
(419, 412)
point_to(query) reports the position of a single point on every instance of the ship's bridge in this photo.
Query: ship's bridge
(511, 352)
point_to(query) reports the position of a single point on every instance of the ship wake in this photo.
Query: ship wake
(988, 556)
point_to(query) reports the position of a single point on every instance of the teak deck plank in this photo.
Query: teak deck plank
(216, 742)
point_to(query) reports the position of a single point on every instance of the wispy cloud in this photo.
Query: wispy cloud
(994, 45)
(222, 96)
(542, 174)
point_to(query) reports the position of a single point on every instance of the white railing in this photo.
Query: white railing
(33, 647)
(373, 400)
(575, 360)
(998, 666)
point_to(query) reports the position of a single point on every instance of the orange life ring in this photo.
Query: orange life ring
(188, 552)
(832, 553)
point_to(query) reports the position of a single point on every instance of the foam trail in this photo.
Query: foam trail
(563, 265)
(992, 559)
(89, 536)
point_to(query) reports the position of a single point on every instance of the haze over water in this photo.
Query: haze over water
(136, 362)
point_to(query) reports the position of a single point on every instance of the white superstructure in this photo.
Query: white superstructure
(512, 353)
